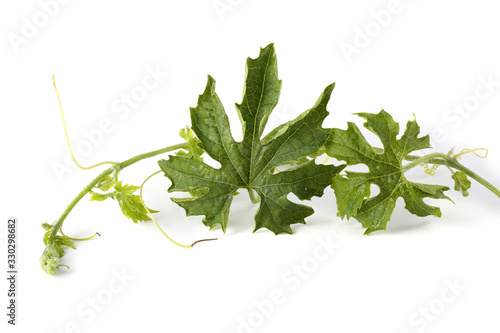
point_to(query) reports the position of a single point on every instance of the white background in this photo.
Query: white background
(423, 59)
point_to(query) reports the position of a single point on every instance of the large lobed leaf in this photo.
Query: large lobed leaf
(250, 163)
(386, 171)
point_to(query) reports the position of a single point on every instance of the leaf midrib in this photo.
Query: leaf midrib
(249, 182)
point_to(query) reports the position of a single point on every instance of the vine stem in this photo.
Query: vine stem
(443, 159)
(102, 175)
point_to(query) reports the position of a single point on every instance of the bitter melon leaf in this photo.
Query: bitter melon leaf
(59, 241)
(193, 149)
(462, 183)
(385, 170)
(106, 183)
(249, 163)
(130, 203)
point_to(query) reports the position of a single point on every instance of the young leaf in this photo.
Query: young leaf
(59, 241)
(105, 184)
(249, 163)
(130, 204)
(193, 149)
(100, 196)
(462, 183)
(386, 171)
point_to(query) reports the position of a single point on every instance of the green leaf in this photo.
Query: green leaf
(126, 189)
(105, 184)
(59, 241)
(462, 183)
(250, 163)
(130, 204)
(385, 170)
(193, 149)
(99, 196)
